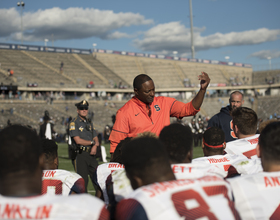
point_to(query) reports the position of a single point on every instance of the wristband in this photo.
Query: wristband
(91, 142)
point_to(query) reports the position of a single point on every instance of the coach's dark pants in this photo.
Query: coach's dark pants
(86, 164)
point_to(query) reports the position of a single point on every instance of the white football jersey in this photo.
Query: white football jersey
(209, 197)
(55, 207)
(257, 195)
(121, 185)
(221, 161)
(246, 146)
(62, 182)
(194, 170)
(102, 173)
(250, 166)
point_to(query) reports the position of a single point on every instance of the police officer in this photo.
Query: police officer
(85, 138)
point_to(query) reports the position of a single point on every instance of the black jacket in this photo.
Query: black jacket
(223, 120)
(43, 130)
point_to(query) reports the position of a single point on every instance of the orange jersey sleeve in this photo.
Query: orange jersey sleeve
(119, 131)
(180, 110)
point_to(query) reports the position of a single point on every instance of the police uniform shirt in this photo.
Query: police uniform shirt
(82, 128)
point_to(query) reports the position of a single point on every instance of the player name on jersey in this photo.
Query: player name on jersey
(272, 181)
(182, 169)
(158, 188)
(16, 211)
(213, 160)
(49, 173)
(254, 141)
(115, 165)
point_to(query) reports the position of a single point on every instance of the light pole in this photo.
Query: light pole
(191, 20)
(21, 5)
(269, 61)
(94, 45)
(46, 41)
(175, 54)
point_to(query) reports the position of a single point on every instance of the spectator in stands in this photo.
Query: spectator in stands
(61, 66)
(11, 72)
(256, 195)
(157, 195)
(21, 167)
(223, 119)
(245, 121)
(9, 122)
(145, 112)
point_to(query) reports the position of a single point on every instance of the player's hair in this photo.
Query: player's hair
(265, 123)
(146, 158)
(117, 155)
(177, 140)
(139, 80)
(235, 93)
(214, 136)
(245, 119)
(49, 149)
(20, 149)
(146, 134)
(269, 142)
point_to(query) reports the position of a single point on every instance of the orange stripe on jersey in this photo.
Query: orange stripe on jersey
(226, 167)
(250, 153)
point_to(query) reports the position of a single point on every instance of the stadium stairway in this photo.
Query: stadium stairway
(91, 69)
(25, 117)
(48, 66)
(110, 75)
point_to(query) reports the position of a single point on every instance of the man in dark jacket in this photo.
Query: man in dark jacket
(223, 119)
(47, 129)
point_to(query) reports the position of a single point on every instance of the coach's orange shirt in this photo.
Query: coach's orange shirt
(132, 118)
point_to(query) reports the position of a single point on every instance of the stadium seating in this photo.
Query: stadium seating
(268, 106)
(113, 71)
(28, 70)
(266, 77)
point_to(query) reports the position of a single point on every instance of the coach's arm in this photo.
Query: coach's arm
(204, 82)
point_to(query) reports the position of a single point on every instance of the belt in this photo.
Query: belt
(86, 149)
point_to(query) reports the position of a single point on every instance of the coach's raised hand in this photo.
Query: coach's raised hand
(204, 80)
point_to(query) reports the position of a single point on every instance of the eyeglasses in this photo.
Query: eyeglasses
(83, 108)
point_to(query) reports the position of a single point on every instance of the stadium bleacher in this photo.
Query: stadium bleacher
(109, 71)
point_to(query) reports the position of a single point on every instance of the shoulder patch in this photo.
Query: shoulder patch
(72, 126)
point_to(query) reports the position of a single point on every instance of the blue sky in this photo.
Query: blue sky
(248, 31)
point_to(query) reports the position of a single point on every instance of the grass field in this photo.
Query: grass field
(65, 162)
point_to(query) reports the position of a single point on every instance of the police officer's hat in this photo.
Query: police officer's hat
(83, 103)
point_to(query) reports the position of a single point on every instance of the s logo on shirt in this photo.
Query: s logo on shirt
(157, 108)
(232, 132)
